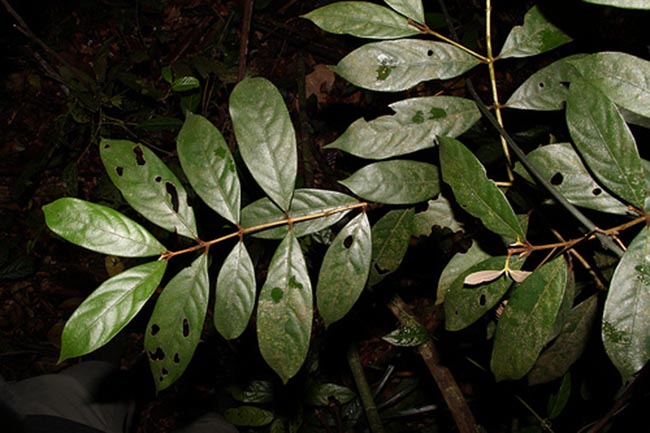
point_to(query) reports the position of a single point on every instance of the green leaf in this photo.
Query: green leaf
(413, 9)
(626, 4)
(395, 182)
(458, 265)
(557, 402)
(175, 326)
(527, 321)
(320, 394)
(109, 309)
(256, 391)
(536, 36)
(407, 336)
(546, 89)
(561, 166)
(477, 194)
(148, 185)
(284, 310)
(209, 166)
(438, 213)
(161, 123)
(464, 304)
(605, 142)
(556, 360)
(234, 293)
(305, 202)
(267, 141)
(626, 324)
(361, 19)
(248, 416)
(345, 269)
(391, 66)
(390, 240)
(100, 228)
(414, 126)
(184, 84)
(624, 78)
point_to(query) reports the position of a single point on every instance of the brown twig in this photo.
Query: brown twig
(244, 38)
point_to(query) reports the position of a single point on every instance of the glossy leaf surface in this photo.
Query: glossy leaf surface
(456, 266)
(414, 126)
(184, 84)
(395, 182)
(413, 9)
(305, 202)
(249, 416)
(438, 213)
(175, 326)
(390, 240)
(477, 194)
(345, 269)
(527, 321)
(100, 228)
(537, 35)
(109, 309)
(148, 185)
(562, 167)
(266, 138)
(319, 394)
(626, 323)
(626, 4)
(209, 166)
(361, 19)
(390, 66)
(605, 142)
(284, 310)
(407, 336)
(234, 293)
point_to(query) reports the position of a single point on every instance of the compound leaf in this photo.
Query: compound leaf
(390, 240)
(414, 126)
(109, 309)
(537, 35)
(528, 320)
(100, 228)
(234, 293)
(395, 182)
(148, 185)
(175, 326)
(284, 310)
(477, 194)
(345, 269)
(605, 142)
(413, 9)
(361, 19)
(390, 66)
(209, 166)
(267, 141)
(626, 324)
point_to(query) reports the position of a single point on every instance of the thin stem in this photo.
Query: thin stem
(369, 406)
(425, 29)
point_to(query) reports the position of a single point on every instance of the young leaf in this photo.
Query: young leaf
(620, 76)
(477, 194)
(536, 36)
(458, 264)
(100, 228)
(482, 277)
(438, 213)
(395, 182)
(175, 326)
(413, 9)
(407, 336)
(556, 360)
(345, 269)
(546, 89)
(267, 141)
(390, 240)
(209, 166)
(148, 185)
(464, 305)
(109, 309)
(361, 19)
(234, 293)
(560, 164)
(528, 320)
(626, 324)
(414, 126)
(626, 4)
(305, 202)
(390, 66)
(184, 84)
(605, 142)
(284, 310)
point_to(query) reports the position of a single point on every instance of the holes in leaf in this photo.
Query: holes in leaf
(430, 53)
(596, 191)
(557, 179)
(158, 355)
(173, 195)
(347, 242)
(163, 372)
(177, 358)
(157, 178)
(380, 270)
(186, 328)
(155, 329)
(541, 84)
(107, 146)
(482, 300)
(564, 84)
(139, 155)
(119, 170)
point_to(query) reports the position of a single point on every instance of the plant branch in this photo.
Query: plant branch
(245, 35)
(368, 402)
(425, 29)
